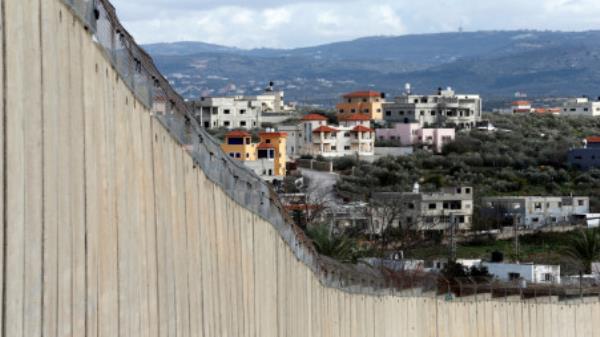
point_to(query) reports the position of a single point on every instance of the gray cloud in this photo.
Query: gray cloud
(270, 23)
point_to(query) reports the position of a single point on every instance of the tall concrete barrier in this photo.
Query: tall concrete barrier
(112, 226)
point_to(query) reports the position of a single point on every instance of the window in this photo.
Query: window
(378, 110)
(333, 148)
(536, 220)
(346, 147)
(580, 202)
(227, 111)
(270, 172)
(433, 112)
(247, 155)
(366, 111)
(207, 124)
(401, 113)
(547, 277)
(468, 190)
(388, 113)
(268, 141)
(364, 100)
(341, 111)
(353, 110)
(346, 134)
(226, 123)
(238, 155)
(242, 111)
(253, 123)
(232, 155)
(537, 205)
(514, 276)
(432, 206)
(422, 113)
(243, 123)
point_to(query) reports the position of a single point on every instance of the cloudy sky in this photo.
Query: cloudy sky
(296, 23)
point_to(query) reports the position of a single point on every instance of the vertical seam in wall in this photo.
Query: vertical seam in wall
(43, 113)
(85, 208)
(4, 177)
(152, 141)
(187, 247)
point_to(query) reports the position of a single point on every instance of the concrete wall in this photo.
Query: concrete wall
(109, 228)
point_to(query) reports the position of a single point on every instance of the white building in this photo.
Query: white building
(445, 107)
(521, 107)
(534, 211)
(582, 106)
(245, 112)
(533, 273)
(295, 141)
(353, 136)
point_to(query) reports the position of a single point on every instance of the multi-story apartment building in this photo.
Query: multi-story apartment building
(581, 106)
(295, 140)
(353, 136)
(534, 211)
(423, 211)
(587, 157)
(367, 103)
(411, 134)
(266, 158)
(233, 112)
(444, 108)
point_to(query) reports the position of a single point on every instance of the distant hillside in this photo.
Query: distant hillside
(495, 64)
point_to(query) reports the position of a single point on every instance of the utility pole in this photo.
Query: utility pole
(452, 238)
(516, 236)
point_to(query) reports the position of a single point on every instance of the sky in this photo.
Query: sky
(300, 23)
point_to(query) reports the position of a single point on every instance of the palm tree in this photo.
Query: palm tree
(340, 248)
(585, 248)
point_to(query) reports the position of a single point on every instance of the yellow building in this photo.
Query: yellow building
(273, 147)
(238, 145)
(267, 158)
(362, 102)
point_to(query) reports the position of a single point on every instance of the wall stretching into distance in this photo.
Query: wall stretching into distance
(110, 228)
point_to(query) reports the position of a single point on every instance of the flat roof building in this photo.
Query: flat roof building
(443, 108)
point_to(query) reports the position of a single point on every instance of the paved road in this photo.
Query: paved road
(322, 185)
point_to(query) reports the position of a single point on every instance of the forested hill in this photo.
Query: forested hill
(495, 64)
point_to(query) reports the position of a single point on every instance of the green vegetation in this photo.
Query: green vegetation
(584, 248)
(342, 247)
(527, 157)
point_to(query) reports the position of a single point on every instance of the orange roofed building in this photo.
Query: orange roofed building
(367, 103)
(353, 136)
(266, 158)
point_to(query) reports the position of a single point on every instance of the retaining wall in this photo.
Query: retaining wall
(112, 227)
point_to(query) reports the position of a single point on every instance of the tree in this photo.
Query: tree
(341, 248)
(584, 248)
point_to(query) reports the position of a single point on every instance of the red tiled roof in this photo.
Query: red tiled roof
(362, 94)
(314, 117)
(515, 103)
(273, 134)
(237, 134)
(355, 117)
(362, 128)
(263, 146)
(324, 128)
(593, 139)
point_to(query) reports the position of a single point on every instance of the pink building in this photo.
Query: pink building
(413, 134)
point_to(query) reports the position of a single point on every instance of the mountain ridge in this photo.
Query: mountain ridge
(493, 63)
